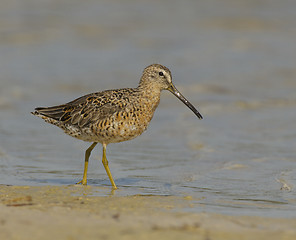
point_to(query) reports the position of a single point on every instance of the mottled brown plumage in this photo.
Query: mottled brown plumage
(113, 115)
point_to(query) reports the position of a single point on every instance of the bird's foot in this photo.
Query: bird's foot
(82, 182)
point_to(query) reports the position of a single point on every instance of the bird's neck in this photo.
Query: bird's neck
(150, 94)
(147, 89)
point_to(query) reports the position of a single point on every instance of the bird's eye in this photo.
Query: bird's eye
(160, 74)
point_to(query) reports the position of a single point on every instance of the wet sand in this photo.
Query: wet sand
(72, 212)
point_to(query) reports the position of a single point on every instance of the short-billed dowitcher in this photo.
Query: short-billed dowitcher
(113, 116)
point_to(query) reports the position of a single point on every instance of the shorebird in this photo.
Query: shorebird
(113, 116)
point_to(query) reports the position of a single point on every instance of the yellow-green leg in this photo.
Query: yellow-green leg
(105, 163)
(87, 154)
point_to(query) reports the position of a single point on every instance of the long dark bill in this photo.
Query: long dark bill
(175, 91)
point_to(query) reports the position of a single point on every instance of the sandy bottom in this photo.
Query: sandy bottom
(73, 212)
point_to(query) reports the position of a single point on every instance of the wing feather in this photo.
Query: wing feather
(88, 108)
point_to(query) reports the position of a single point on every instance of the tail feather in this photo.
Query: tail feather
(55, 112)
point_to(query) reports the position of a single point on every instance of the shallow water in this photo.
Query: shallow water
(234, 60)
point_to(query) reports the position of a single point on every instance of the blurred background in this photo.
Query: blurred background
(233, 59)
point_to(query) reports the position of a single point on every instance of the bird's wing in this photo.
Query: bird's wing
(88, 108)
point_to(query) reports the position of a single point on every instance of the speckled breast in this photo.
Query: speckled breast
(124, 125)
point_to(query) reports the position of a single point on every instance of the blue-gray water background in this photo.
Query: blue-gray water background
(234, 60)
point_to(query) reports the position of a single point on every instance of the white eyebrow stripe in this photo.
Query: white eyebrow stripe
(169, 78)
